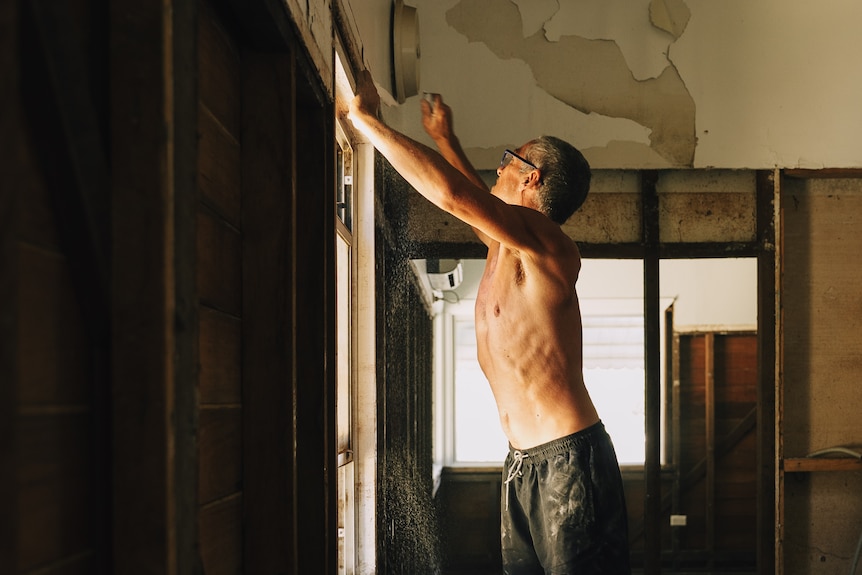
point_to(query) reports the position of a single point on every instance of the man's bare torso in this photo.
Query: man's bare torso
(528, 330)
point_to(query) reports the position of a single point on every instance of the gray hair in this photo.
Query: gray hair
(565, 176)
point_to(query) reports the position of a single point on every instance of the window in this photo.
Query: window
(356, 401)
(344, 356)
(708, 292)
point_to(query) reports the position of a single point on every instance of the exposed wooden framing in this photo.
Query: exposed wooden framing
(184, 28)
(71, 152)
(82, 215)
(676, 436)
(709, 421)
(153, 168)
(805, 464)
(767, 328)
(10, 178)
(824, 173)
(265, 25)
(699, 470)
(652, 370)
(315, 314)
(269, 244)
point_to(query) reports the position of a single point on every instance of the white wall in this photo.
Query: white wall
(733, 84)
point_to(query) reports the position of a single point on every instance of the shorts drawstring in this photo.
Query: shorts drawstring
(514, 471)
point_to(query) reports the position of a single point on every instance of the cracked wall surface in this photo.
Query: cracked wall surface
(640, 84)
(590, 75)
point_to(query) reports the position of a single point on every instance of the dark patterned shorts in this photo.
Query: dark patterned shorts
(563, 508)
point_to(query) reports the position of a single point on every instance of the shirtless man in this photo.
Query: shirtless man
(563, 504)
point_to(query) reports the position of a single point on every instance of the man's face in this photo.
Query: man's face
(510, 178)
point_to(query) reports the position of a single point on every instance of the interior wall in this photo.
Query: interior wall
(54, 320)
(822, 362)
(645, 84)
(409, 538)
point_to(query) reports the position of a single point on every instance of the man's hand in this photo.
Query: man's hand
(366, 104)
(437, 118)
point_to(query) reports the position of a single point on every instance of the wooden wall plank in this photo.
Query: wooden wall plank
(221, 537)
(220, 459)
(219, 261)
(220, 72)
(220, 347)
(55, 488)
(268, 395)
(315, 330)
(142, 283)
(11, 177)
(219, 166)
(154, 162)
(54, 350)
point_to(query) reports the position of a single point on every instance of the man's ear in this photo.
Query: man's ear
(532, 178)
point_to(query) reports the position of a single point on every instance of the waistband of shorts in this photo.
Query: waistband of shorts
(563, 444)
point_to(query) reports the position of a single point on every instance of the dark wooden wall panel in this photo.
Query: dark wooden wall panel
(220, 452)
(52, 516)
(267, 362)
(54, 350)
(219, 163)
(221, 537)
(219, 264)
(734, 504)
(219, 284)
(55, 466)
(220, 344)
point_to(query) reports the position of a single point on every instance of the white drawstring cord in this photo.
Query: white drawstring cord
(514, 471)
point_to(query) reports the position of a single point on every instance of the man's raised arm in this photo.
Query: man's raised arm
(437, 121)
(430, 173)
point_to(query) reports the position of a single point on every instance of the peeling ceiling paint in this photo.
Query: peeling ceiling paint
(672, 16)
(642, 83)
(590, 75)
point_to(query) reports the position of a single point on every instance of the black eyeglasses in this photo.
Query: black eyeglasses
(508, 155)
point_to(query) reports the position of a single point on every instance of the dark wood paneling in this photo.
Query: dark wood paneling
(731, 486)
(220, 345)
(12, 174)
(220, 458)
(221, 537)
(315, 327)
(54, 350)
(54, 492)
(267, 313)
(219, 167)
(469, 504)
(219, 264)
(153, 94)
(219, 285)
(220, 74)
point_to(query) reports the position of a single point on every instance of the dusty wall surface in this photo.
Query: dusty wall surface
(822, 363)
(635, 84)
(642, 83)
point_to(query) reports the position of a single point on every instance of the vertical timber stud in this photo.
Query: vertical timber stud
(153, 170)
(11, 120)
(767, 324)
(709, 422)
(142, 173)
(652, 370)
(186, 359)
(268, 394)
(315, 472)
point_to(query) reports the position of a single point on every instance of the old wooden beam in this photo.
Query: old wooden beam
(153, 137)
(652, 370)
(767, 316)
